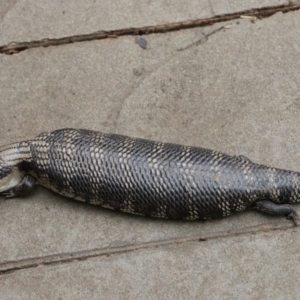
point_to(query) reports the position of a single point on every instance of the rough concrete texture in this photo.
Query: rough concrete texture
(224, 268)
(63, 18)
(226, 7)
(33, 20)
(237, 91)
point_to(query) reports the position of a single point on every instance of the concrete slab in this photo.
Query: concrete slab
(237, 91)
(221, 95)
(261, 266)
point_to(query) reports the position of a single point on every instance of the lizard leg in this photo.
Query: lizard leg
(22, 189)
(277, 209)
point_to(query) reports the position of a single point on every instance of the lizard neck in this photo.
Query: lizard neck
(13, 154)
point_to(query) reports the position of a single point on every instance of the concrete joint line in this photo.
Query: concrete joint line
(16, 47)
(63, 258)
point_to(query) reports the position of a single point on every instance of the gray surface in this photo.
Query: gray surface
(238, 92)
(226, 268)
(32, 20)
(57, 19)
(226, 7)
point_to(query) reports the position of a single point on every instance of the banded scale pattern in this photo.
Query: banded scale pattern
(146, 177)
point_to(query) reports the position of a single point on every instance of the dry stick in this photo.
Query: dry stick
(16, 47)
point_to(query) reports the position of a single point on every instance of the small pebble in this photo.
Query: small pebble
(141, 42)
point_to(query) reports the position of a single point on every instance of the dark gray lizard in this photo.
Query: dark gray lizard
(144, 177)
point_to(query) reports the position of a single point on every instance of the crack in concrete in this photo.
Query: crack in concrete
(203, 39)
(148, 72)
(63, 258)
(128, 94)
(211, 7)
(16, 47)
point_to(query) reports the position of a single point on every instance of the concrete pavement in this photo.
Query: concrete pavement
(237, 91)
